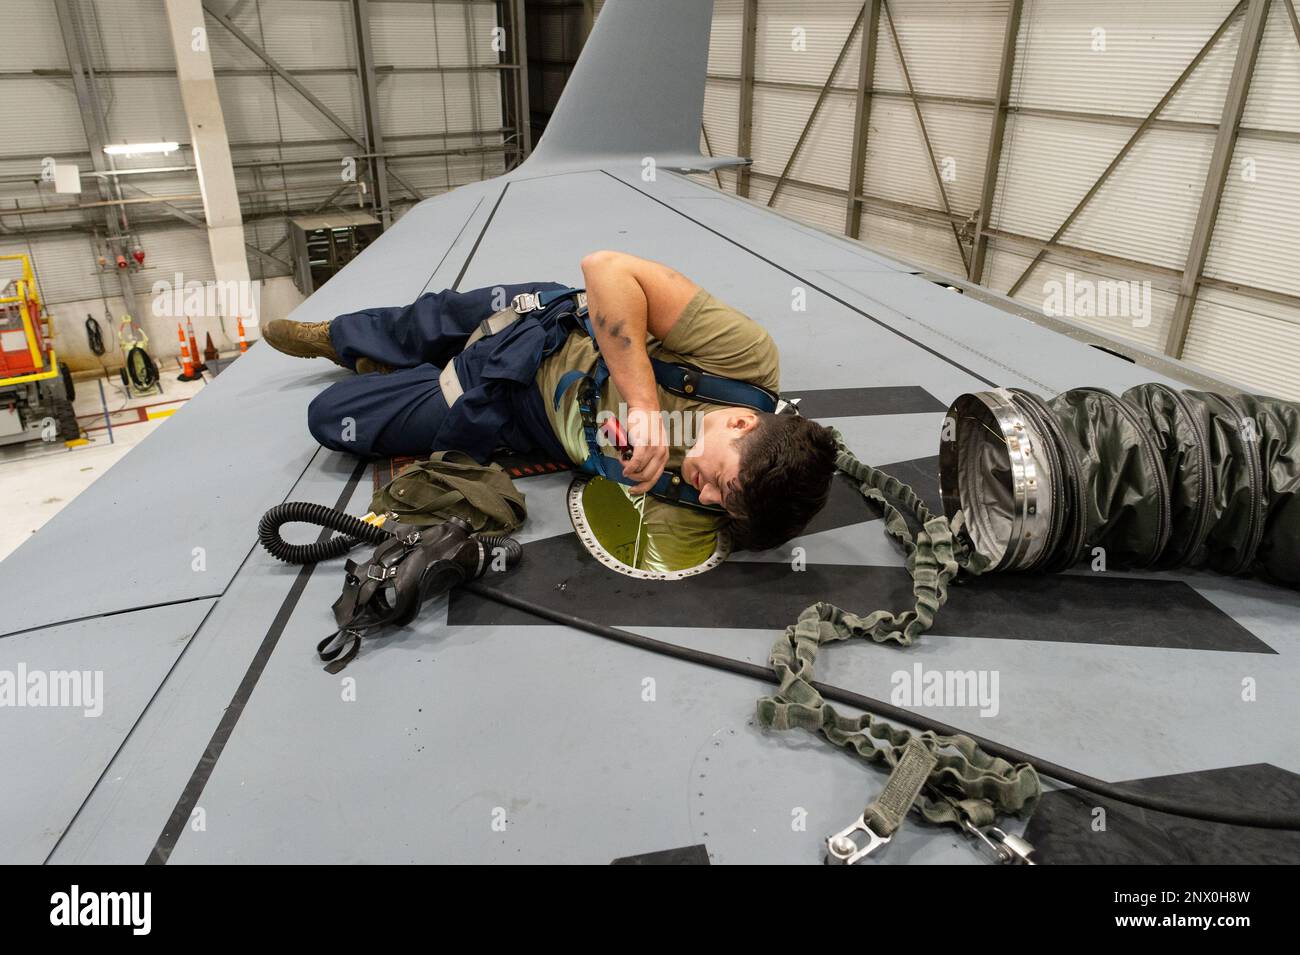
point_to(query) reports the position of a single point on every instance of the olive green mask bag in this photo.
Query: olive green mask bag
(451, 484)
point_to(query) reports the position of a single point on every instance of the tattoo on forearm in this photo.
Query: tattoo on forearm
(617, 337)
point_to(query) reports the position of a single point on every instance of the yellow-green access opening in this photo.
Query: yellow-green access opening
(607, 522)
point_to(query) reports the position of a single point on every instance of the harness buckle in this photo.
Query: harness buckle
(843, 848)
(384, 573)
(1008, 849)
(526, 302)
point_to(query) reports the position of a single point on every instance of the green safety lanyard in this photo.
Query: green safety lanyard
(948, 779)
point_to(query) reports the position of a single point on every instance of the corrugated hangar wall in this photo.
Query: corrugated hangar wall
(1076, 84)
(440, 107)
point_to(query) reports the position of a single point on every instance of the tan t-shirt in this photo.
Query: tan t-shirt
(714, 337)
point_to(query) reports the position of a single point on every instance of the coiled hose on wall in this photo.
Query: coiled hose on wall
(1153, 478)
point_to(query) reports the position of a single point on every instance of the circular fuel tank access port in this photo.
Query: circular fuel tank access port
(608, 523)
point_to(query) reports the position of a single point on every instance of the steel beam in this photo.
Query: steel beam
(92, 122)
(519, 44)
(745, 121)
(281, 72)
(370, 110)
(925, 135)
(223, 217)
(862, 121)
(1128, 146)
(993, 158)
(1234, 104)
(817, 106)
(402, 181)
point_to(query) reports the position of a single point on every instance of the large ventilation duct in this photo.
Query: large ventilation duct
(1157, 478)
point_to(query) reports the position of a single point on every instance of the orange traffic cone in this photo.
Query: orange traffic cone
(243, 342)
(187, 366)
(194, 347)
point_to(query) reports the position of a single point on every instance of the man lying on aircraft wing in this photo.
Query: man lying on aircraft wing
(655, 384)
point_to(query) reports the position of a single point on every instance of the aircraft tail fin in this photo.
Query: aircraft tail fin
(637, 90)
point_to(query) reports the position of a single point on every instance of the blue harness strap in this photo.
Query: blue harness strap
(682, 380)
(670, 485)
(688, 382)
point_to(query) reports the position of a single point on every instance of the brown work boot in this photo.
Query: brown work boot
(366, 366)
(300, 339)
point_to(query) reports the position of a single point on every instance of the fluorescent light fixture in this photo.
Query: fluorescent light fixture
(140, 149)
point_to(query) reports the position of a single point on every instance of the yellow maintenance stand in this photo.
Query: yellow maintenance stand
(36, 389)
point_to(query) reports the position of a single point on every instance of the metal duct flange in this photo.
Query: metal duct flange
(994, 467)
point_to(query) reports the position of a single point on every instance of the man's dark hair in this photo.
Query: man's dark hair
(786, 466)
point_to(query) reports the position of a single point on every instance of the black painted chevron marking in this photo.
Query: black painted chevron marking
(847, 506)
(1062, 832)
(853, 402)
(1066, 608)
(687, 855)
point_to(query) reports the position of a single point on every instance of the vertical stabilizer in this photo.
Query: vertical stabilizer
(637, 89)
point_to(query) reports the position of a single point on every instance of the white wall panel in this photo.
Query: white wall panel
(1145, 210)
(825, 26)
(125, 36)
(171, 249)
(36, 44)
(779, 117)
(261, 108)
(1146, 46)
(812, 207)
(951, 50)
(65, 266)
(230, 53)
(41, 116)
(916, 242)
(1274, 101)
(1251, 341)
(414, 34)
(725, 38)
(1146, 323)
(144, 109)
(898, 166)
(1257, 237)
(415, 103)
(302, 34)
(721, 117)
(434, 176)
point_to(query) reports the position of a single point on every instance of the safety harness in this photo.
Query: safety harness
(683, 380)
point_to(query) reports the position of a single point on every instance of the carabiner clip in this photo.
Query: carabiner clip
(1006, 848)
(843, 848)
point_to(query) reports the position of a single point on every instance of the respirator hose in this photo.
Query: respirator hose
(354, 531)
(513, 549)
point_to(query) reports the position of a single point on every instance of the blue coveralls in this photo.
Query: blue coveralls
(404, 413)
